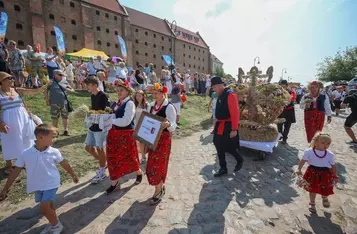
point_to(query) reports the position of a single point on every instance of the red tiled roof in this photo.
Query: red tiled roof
(213, 57)
(150, 22)
(190, 37)
(112, 5)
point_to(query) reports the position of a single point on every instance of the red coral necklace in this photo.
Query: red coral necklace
(319, 155)
(157, 109)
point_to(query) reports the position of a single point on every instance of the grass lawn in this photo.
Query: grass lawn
(194, 117)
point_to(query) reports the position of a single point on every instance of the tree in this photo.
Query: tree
(230, 77)
(340, 67)
(219, 72)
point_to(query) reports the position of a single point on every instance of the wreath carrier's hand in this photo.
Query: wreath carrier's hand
(4, 128)
(3, 195)
(165, 124)
(75, 179)
(307, 106)
(233, 134)
(329, 119)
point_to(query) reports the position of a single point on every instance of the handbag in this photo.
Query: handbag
(69, 104)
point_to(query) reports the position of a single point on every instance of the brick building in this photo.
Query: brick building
(95, 24)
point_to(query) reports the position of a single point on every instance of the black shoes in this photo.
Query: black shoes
(221, 172)
(157, 198)
(139, 178)
(238, 166)
(113, 187)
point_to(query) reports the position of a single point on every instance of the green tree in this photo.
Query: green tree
(340, 67)
(229, 76)
(219, 72)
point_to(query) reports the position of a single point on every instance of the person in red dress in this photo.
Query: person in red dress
(158, 162)
(122, 151)
(316, 106)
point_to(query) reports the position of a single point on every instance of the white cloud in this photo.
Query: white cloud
(250, 28)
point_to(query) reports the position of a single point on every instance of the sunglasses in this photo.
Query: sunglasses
(60, 75)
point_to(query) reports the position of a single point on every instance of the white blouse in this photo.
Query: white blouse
(170, 114)
(129, 114)
(327, 104)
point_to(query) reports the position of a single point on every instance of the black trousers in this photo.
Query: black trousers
(223, 144)
(284, 129)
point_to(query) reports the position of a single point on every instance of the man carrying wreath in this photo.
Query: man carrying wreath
(226, 136)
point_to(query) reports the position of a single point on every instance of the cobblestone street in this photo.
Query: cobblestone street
(261, 198)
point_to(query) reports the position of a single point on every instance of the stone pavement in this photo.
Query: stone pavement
(260, 198)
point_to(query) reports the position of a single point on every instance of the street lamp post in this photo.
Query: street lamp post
(173, 44)
(282, 73)
(256, 59)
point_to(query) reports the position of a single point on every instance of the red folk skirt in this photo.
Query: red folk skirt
(314, 122)
(158, 162)
(122, 153)
(320, 181)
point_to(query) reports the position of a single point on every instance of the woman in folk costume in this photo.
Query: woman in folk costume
(122, 151)
(157, 165)
(316, 106)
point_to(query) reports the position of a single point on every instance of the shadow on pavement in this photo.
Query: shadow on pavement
(341, 172)
(205, 140)
(134, 220)
(323, 224)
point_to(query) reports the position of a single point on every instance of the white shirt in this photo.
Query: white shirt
(188, 78)
(41, 169)
(122, 73)
(339, 95)
(69, 70)
(99, 65)
(299, 91)
(208, 82)
(100, 86)
(91, 69)
(313, 160)
(170, 114)
(52, 62)
(129, 113)
(327, 105)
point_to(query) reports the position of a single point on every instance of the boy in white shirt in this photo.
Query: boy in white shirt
(43, 176)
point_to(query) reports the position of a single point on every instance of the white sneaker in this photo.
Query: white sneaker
(101, 175)
(57, 230)
(47, 229)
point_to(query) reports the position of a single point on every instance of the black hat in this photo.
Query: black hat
(216, 80)
(283, 82)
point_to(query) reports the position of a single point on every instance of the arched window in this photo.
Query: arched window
(106, 15)
(51, 16)
(162, 47)
(154, 35)
(154, 55)
(155, 66)
(20, 43)
(137, 52)
(146, 43)
(53, 33)
(98, 28)
(19, 26)
(17, 8)
(74, 37)
(162, 38)
(116, 33)
(72, 4)
(73, 22)
(99, 42)
(108, 44)
(137, 41)
(154, 45)
(107, 30)
(146, 54)
(146, 33)
(75, 51)
(97, 12)
(116, 46)
(115, 18)
(136, 30)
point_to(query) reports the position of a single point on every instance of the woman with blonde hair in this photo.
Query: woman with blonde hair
(316, 105)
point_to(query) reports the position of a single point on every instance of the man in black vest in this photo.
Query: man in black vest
(226, 137)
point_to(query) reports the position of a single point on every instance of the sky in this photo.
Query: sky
(291, 34)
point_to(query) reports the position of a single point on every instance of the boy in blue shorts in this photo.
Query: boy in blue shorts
(43, 176)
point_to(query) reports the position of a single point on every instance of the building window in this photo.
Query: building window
(162, 38)
(189, 56)
(74, 37)
(146, 33)
(20, 43)
(194, 66)
(199, 67)
(75, 51)
(189, 65)
(189, 47)
(137, 52)
(194, 57)
(116, 46)
(136, 30)
(184, 55)
(137, 41)
(194, 49)
(1, 4)
(199, 59)
(199, 50)
(146, 43)
(170, 49)
(17, 8)
(203, 60)
(73, 22)
(203, 52)
(97, 12)
(71, 4)
(155, 66)
(116, 33)
(169, 39)
(137, 63)
(184, 64)
(154, 56)
(108, 44)
(19, 26)
(115, 18)
(184, 46)
(53, 33)
(146, 54)
(107, 30)
(99, 42)
(51, 16)
(154, 45)
(98, 28)
(162, 67)
(162, 47)
(106, 15)
(203, 68)
(154, 35)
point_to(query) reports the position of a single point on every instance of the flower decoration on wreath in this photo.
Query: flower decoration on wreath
(126, 84)
(160, 88)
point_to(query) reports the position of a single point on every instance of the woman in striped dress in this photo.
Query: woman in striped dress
(16, 126)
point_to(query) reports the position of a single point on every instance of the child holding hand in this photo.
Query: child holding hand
(43, 176)
(320, 175)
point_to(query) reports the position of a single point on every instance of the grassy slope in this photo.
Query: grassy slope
(194, 117)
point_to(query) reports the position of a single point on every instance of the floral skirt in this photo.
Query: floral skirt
(314, 122)
(158, 162)
(122, 153)
(320, 181)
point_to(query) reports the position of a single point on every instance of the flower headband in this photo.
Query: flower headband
(125, 84)
(160, 88)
